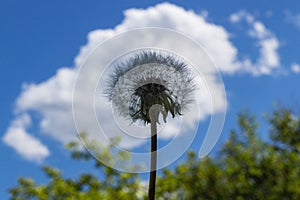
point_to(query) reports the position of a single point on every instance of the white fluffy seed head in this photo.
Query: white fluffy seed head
(145, 67)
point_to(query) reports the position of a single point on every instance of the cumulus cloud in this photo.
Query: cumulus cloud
(267, 42)
(23, 142)
(214, 38)
(52, 99)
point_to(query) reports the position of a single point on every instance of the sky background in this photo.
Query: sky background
(254, 45)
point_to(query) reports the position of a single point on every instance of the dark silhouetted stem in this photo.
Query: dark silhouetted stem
(151, 190)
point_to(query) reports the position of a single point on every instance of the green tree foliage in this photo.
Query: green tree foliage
(246, 167)
(115, 185)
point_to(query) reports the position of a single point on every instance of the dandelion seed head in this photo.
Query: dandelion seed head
(150, 77)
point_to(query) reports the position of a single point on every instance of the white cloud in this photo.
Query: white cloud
(268, 44)
(24, 143)
(52, 98)
(214, 38)
(295, 68)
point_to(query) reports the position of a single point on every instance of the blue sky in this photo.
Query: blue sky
(259, 40)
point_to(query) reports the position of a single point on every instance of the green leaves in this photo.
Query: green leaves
(285, 129)
(245, 168)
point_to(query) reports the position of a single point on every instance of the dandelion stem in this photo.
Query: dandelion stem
(152, 181)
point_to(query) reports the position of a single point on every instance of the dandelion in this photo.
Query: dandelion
(148, 83)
